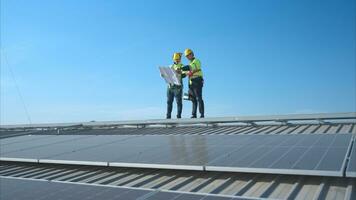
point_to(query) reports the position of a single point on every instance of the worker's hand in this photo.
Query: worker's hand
(186, 68)
(190, 73)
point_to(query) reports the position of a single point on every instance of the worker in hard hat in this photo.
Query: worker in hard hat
(176, 91)
(196, 83)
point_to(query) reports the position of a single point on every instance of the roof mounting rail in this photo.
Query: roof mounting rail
(141, 125)
(251, 123)
(321, 121)
(212, 124)
(283, 122)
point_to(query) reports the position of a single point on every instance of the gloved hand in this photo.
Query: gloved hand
(190, 73)
(185, 68)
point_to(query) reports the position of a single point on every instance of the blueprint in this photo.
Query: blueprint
(169, 75)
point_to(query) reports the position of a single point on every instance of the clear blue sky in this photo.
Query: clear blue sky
(98, 60)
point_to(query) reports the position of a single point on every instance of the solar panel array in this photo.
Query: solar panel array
(32, 189)
(317, 154)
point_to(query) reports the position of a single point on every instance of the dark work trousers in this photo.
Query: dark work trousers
(177, 93)
(196, 94)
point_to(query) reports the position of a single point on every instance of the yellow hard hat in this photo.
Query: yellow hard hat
(187, 52)
(177, 56)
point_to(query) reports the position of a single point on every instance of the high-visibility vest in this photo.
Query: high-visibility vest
(177, 67)
(195, 65)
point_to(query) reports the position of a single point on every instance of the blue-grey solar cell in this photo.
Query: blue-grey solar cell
(177, 150)
(323, 154)
(12, 189)
(108, 152)
(29, 189)
(317, 154)
(41, 142)
(70, 145)
(21, 139)
(351, 168)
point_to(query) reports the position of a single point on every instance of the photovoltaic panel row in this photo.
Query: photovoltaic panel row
(38, 141)
(20, 139)
(56, 145)
(33, 189)
(314, 155)
(317, 154)
(351, 168)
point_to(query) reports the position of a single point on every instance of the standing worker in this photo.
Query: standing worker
(196, 82)
(176, 91)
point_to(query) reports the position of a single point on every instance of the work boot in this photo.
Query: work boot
(178, 116)
(168, 117)
(201, 116)
(193, 116)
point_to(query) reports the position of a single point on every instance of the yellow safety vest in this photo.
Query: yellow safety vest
(177, 67)
(195, 65)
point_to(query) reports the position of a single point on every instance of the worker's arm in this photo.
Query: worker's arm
(196, 70)
(187, 70)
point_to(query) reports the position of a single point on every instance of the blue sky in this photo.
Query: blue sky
(98, 60)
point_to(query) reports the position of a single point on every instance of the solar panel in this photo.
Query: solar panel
(40, 141)
(315, 154)
(21, 139)
(322, 154)
(30, 189)
(351, 168)
(66, 144)
(37, 189)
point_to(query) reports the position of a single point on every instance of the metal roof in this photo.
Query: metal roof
(270, 186)
(304, 128)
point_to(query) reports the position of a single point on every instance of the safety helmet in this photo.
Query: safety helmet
(177, 56)
(187, 52)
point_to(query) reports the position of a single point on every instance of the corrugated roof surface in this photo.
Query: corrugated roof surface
(239, 184)
(349, 128)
